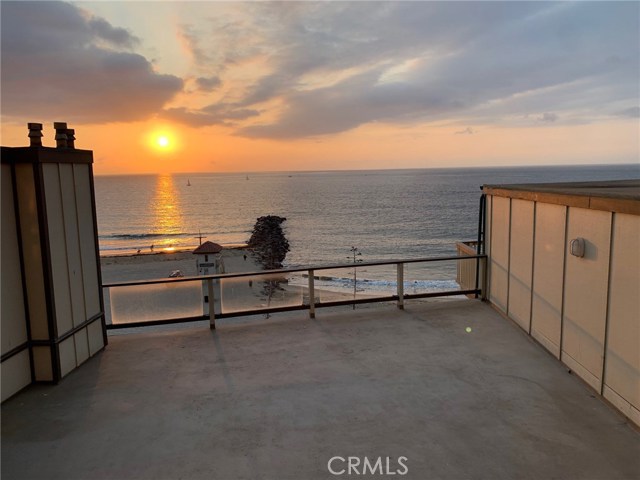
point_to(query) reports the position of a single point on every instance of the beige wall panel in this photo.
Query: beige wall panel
(74, 267)
(82, 346)
(31, 252)
(500, 252)
(87, 244)
(585, 290)
(96, 340)
(546, 308)
(42, 364)
(13, 329)
(67, 351)
(521, 262)
(58, 248)
(622, 370)
(15, 373)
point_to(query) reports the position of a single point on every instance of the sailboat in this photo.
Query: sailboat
(188, 182)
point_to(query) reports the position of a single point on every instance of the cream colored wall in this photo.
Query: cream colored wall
(585, 294)
(14, 323)
(81, 177)
(499, 283)
(585, 311)
(72, 241)
(521, 262)
(622, 365)
(546, 308)
(16, 373)
(58, 248)
(32, 254)
(73, 260)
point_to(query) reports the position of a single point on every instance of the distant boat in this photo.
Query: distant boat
(188, 182)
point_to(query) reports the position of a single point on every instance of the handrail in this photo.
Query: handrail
(312, 304)
(289, 270)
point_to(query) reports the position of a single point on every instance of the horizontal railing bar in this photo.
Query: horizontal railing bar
(448, 293)
(337, 303)
(222, 276)
(150, 323)
(357, 301)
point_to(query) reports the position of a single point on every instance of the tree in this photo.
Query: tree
(268, 241)
(270, 246)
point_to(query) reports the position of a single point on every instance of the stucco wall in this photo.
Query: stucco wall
(584, 310)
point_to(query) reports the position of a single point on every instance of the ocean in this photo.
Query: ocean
(386, 214)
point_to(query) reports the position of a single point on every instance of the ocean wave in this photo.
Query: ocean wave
(415, 286)
(135, 236)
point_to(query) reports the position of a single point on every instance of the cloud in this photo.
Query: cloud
(466, 131)
(216, 114)
(632, 112)
(58, 61)
(548, 117)
(190, 41)
(206, 84)
(288, 70)
(337, 66)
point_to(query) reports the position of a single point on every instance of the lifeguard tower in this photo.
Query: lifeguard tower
(209, 262)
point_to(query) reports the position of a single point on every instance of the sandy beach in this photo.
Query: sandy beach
(148, 266)
(182, 299)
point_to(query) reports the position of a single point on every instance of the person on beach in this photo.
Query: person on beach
(151, 248)
(138, 252)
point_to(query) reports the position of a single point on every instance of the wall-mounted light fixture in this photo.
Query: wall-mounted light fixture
(577, 247)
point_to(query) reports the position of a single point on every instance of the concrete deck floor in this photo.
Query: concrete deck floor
(277, 399)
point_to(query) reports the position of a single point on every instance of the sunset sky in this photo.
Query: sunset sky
(254, 86)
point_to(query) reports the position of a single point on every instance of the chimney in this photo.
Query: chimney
(71, 138)
(35, 134)
(61, 134)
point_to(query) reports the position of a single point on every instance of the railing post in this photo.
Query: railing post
(400, 283)
(312, 296)
(485, 268)
(212, 302)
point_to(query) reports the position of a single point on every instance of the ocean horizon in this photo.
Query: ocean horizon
(385, 213)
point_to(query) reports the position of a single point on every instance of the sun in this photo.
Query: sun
(163, 141)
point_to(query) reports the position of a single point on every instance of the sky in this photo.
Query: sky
(161, 87)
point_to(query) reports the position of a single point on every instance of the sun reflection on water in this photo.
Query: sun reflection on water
(167, 210)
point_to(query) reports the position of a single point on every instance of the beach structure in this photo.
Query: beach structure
(52, 310)
(457, 386)
(208, 262)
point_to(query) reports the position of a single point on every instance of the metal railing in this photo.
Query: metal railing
(275, 286)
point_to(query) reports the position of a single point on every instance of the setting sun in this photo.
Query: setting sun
(162, 141)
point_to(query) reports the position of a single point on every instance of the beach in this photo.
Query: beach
(146, 266)
(182, 299)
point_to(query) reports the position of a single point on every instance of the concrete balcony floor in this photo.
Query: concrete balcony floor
(277, 398)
